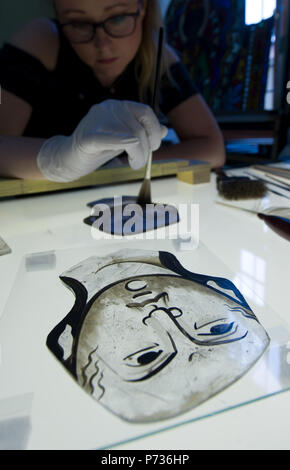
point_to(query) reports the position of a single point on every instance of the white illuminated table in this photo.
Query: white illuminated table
(259, 257)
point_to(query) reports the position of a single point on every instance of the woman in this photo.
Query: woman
(54, 74)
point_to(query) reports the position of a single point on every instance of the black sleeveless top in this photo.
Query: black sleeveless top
(62, 97)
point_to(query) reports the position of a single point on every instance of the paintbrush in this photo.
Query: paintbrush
(285, 188)
(279, 180)
(277, 219)
(144, 196)
(276, 171)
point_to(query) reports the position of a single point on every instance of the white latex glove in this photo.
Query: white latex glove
(108, 129)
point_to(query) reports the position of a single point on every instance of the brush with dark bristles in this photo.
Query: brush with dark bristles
(144, 196)
(239, 187)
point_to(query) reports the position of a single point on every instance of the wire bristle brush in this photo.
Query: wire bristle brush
(239, 187)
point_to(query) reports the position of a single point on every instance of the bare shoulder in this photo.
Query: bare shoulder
(39, 37)
(171, 55)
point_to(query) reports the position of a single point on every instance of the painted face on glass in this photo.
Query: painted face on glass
(151, 346)
(161, 334)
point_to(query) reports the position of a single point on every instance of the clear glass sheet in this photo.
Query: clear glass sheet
(63, 416)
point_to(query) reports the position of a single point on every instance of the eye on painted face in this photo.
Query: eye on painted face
(166, 336)
(105, 55)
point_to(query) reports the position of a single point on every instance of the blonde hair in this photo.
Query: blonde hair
(146, 56)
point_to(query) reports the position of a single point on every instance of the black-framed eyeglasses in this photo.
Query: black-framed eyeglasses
(118, 26)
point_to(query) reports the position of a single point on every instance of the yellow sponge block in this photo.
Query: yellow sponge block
(195, 174)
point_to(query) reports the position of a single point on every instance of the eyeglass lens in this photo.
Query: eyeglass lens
(118, 26)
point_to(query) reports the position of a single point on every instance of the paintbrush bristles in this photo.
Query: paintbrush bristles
(145, 193)
(144, 196)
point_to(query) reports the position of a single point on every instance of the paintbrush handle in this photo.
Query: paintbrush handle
(278, 194)
(279, 179)
(236, 207)
(285, 172)
(267, 181)
(149, 166)
(279, 225)
(158, 69)
(155, 92)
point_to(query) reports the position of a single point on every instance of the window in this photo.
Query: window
(258, 10)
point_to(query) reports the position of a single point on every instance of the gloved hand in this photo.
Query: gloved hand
(108, 129)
